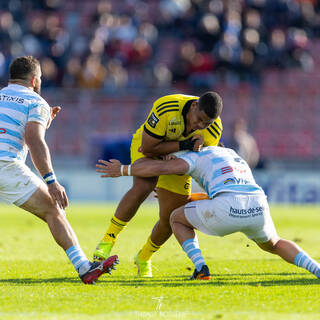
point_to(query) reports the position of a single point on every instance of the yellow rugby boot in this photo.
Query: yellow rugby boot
(144, 267)
(102, 251)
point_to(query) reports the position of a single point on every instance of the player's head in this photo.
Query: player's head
(26, 70)
(204, 111)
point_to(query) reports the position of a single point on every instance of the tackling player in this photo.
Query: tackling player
(24, 118)
(237, 204)
(176, 122)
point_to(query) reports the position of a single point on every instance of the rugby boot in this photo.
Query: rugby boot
(99, 268)
(203, 274)
(102, 251)
(144, 267)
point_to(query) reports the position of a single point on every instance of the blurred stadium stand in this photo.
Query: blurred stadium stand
(106, 61)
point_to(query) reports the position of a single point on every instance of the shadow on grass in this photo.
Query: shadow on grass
(31, 281)
(217, 281)
(177, 281)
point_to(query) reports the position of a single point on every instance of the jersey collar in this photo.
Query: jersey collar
(18, 87)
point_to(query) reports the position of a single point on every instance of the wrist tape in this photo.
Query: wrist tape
(49, 178)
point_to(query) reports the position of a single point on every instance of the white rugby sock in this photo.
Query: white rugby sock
(191, 248)
(304, 261)
(78, 259)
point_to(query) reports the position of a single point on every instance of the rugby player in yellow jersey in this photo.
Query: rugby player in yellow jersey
(175, 122)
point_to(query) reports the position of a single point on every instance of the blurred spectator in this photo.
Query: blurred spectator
(93, 73)
(244, 143)
(158, 43)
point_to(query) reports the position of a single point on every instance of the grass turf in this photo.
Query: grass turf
(38, 282)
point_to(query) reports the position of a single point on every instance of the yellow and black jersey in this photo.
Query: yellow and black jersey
(167, 121)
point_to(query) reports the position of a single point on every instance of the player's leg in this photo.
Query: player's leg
(168, 201)
(41, 204)
(128, 205)
(173, 191)
(184, 233)
(208, 216)
(292, 253)
(265, 235)
(125, 211)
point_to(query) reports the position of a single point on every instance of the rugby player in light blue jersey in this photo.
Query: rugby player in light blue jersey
(24, 118)
(236, 204)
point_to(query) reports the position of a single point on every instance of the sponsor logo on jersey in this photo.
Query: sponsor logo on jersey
(174, 122)
(187, 185)
(4, 97)
(153, 120)
(3, 130)
(227, 169)
(236, 181)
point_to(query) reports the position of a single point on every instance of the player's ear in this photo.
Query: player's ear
(194, 104)
(33, 81)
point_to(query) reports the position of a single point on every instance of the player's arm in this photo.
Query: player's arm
(40, 155)
(147, 168)
(153, 147)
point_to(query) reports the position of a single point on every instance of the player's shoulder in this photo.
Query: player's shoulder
(36, 99)
(215, 128)
(174, 98)
(212, 133)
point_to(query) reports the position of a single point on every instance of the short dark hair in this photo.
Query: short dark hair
(23, 67)
(211, 103)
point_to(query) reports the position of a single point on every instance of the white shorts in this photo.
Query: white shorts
(233, 212)
(17, 182)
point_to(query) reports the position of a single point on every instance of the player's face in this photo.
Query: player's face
(37, 80)
(198, 119)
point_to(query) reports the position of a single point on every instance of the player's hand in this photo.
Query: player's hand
(53, 113)
(58, 194)
(109, 168)
(169, 157)
(199, 142)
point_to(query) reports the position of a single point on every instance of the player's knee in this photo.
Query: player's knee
(174, 217)
(271, 245)
(143, 188)
(54, 213)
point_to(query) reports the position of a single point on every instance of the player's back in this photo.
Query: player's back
(219, 169)
(18, 105)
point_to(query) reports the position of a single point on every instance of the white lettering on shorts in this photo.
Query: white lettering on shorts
(246, 213)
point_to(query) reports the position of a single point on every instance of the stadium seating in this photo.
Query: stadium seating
(271, 83)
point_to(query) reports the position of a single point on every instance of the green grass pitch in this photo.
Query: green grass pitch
(38, 282)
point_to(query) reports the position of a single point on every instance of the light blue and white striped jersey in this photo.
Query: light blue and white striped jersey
(218, 169)
(18, 106)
